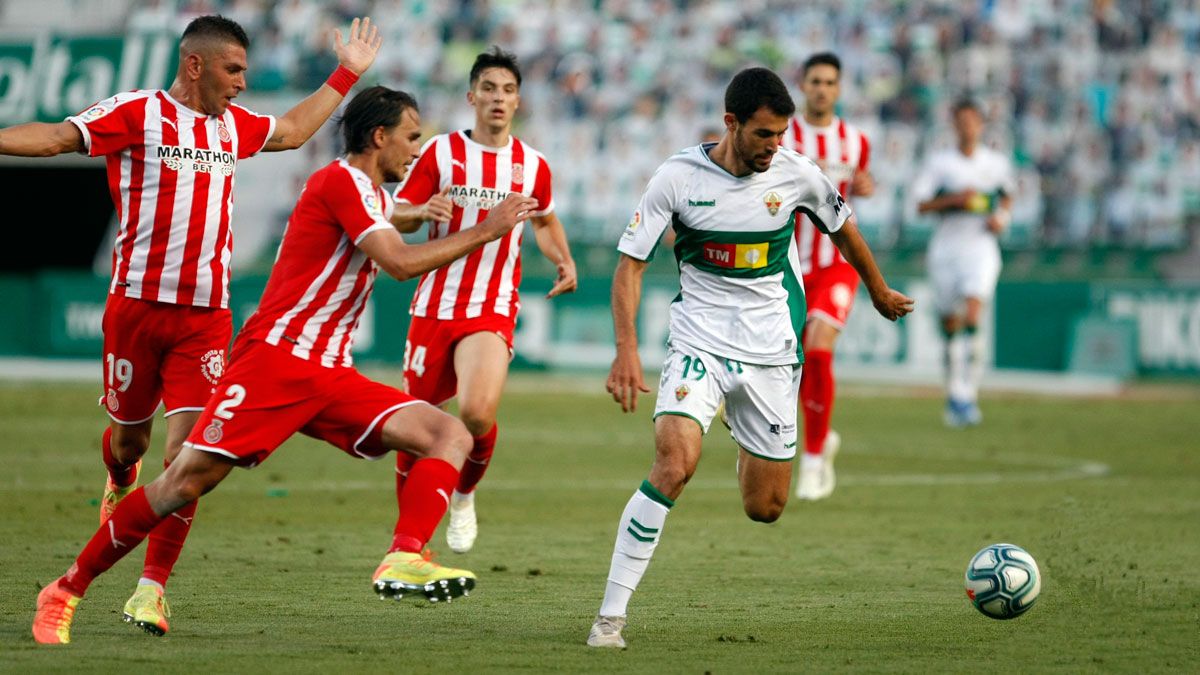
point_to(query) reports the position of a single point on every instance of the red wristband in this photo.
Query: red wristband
(341, 80)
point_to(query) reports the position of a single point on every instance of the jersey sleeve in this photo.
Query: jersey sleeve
(358, 207)
(112, 125)
(424, 180)
(654, 214)
(819, 198)
(543, 190)
(1008, 177)
(253, 130)
(927, 183)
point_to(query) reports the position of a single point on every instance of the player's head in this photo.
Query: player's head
(212, 61)
(968, 121)
(821, 83)
(386, 123)
(758, 109)
(495, 89)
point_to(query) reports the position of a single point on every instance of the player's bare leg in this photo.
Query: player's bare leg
(147, 608)
(192, 474)
(677, 442)
(481, 365)
(123, 446)
(765, 485)
(441, 444)
(821, 444)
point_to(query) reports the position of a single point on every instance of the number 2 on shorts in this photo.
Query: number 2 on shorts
(234, 395)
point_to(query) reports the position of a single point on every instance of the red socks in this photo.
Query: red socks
(121, 474)
(816, 398)
(404, 464)
(477, 462)
(423, 502)
(129, 525)
(166, 543)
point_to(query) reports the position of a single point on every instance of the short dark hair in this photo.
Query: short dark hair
(214, 27)
(966, 103)
(495, 58)
(822, 59)
(754, 88)
(371, 108)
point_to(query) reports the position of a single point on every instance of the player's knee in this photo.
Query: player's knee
(479, 421)
(765, 510)
(129, 447)
(451, 441)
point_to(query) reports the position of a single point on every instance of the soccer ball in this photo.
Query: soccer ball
(1003, 581)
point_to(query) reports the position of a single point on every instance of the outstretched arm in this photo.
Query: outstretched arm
(552, 242)
(403, 261)
(625, 379)
(890, 303)
(39, 139)
(298, 125)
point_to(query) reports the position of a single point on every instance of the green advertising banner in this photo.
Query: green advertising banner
(47, 78)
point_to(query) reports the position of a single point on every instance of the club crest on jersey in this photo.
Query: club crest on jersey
(212, 365)
(518, 173)
(222, 132)
(682, 391)
(773, 202)
(213, 433)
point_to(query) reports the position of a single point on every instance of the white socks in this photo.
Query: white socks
(963, 366)
(637, 536)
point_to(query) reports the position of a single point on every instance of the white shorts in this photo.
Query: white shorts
(760, 401)
(958, 275)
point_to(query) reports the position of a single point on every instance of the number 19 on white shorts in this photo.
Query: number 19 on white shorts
(760, 401)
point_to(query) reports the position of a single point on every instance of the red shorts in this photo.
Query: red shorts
(268, 395)
(155, 352)
(429, 352)
(830, 293)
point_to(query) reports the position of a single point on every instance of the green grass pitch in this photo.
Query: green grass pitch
(276, 577)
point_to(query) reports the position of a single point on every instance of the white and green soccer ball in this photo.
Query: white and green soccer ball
(1003, 581)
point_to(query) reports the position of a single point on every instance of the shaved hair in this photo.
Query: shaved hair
(207, 33)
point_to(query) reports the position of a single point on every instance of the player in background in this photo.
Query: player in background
(735, 328)
(969, 187)
(171, 156)
(830, 282)
(291, 369)
(460, 340)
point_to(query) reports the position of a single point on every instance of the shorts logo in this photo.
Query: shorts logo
(213, 433)
(518, 173)
(682, 391)
(774, 428)
(840, 294)
(773, 202)
(212, 365)
(111, 402)
(222, 132)
(779, 429)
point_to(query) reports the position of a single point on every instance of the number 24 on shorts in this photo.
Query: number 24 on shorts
(417, 364)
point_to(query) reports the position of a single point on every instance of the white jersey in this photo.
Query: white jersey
(988, 173)
(739, 266)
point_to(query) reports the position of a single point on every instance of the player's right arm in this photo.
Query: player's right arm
(930, 199)
(418, 199)
(410, 217)
(638, 243)
(625, 378)
(404, 261)
(40, 139)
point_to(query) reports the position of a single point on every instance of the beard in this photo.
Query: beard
(742, 149)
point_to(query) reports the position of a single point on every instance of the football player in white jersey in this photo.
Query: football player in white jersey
(969, 188)
(735, 328)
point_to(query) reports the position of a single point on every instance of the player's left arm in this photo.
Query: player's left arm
(551, 240)
(1001, 216)
(40, 139)
(862, 184)
(890, 303)
(298, 125)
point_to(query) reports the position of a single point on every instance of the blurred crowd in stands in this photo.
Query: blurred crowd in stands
(1098, 101)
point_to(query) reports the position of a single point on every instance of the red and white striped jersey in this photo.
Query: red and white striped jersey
(485, 281)
(839, 149)
(321, 279)
(170, 174)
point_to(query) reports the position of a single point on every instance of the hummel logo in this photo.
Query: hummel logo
(702, 202)
(112, 534)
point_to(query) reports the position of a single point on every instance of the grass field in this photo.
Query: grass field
(1104, 493)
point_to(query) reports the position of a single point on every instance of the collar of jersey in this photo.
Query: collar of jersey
(704, 148)
(183, 109)
(487, 148)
